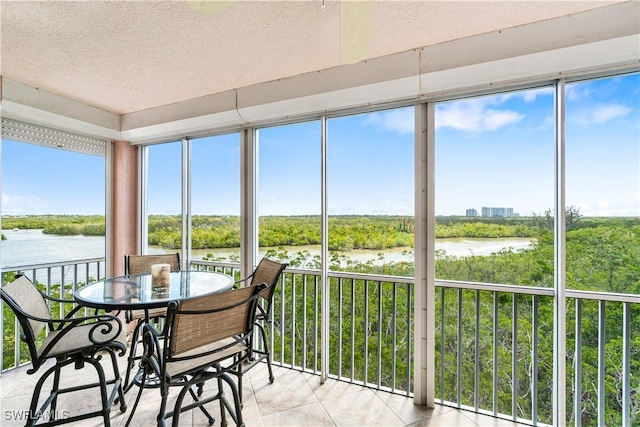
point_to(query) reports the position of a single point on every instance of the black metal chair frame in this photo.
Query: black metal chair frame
(217, 357)
(129, 381)
(263, 314)
(102, 327)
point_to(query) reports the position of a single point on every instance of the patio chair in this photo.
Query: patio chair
(71, 340)
(204, 338)
(267, 272)
(136, 264)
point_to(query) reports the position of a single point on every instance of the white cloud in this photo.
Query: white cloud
(493, 119)
(604, 113)
(474, 115)
(609, 208)
(19, 205)
(471, 115)
(599, 114)
(531, 95)
(400, 121)
(575, 92)
(527, 96)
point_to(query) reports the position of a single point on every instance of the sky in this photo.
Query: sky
(494, 151)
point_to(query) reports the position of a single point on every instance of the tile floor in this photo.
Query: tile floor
(294, 399)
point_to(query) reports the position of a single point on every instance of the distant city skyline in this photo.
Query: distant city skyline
(487, 211)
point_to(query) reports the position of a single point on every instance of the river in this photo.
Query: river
(26, 247)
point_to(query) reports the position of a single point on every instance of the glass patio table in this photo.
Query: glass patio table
(136, 291)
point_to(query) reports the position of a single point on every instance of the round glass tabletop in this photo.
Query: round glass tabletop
(139, 291)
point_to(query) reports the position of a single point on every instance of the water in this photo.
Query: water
(25, 247)
(456, 247)
(29, 247)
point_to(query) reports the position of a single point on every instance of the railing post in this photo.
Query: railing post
(626, 365)
(602, 342)
(577, 361)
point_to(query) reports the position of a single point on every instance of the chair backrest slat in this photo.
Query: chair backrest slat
(210, 318)
(268, 272)
(28, 298)
(135, 264)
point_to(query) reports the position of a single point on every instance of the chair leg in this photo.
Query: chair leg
(118, 382)
(267, 351)
(178, 405)
(33, 408)
(239, 374)
(237, 414)
(163, 406)
(54, 390)
(34, 412)
(202, 408)
(223, 409)
(131, 358)
(106, 407)
(106, 397)
(271, 377)
(135, 403)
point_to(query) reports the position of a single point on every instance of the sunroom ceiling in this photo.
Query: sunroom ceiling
(130, 56)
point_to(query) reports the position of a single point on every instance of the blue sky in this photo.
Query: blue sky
(37, 180)
(490, 151)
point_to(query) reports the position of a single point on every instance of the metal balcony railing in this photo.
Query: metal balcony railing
(494, 343)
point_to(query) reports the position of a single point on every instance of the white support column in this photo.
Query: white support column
(186, 203)
(324, 249)
(424, 288)
(248, 210)
(559, 312)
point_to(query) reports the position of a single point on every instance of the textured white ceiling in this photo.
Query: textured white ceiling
(135, 55)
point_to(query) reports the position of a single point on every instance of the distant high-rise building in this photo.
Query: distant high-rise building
(471, 212)
(498, 212)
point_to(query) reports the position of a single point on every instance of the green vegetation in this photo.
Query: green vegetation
(602, 254)
(345, 232)
(88, 225)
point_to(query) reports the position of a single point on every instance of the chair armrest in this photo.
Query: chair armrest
(51, 298)
(237, 282)
(102, 330)
(72, 320)
(263, 312)
(75, 321)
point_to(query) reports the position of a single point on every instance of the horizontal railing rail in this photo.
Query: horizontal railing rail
(232, 269)
(494, 342)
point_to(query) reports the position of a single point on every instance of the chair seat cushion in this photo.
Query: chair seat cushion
(177, 368)
(78, 338)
